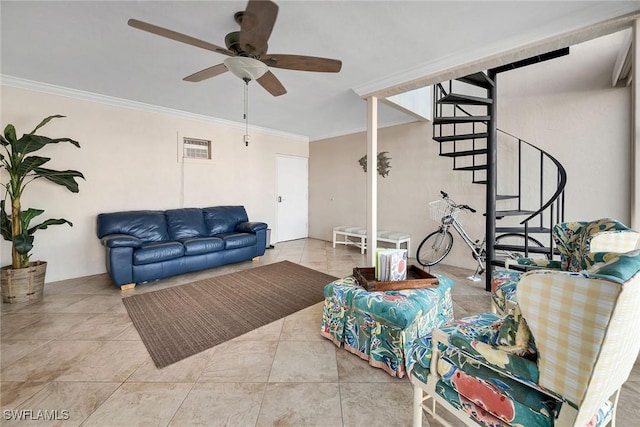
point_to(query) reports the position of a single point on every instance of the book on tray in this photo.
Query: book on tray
(391, 264)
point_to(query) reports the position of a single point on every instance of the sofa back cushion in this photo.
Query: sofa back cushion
(185, 223)
(148, 226)
(223, 219)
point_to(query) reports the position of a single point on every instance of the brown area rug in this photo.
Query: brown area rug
(175, 323)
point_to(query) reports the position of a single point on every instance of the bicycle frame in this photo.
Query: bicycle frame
(476, 246)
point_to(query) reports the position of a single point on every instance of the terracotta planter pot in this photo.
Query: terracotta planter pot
(23, 284)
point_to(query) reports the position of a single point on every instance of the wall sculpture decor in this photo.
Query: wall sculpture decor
(383, 163)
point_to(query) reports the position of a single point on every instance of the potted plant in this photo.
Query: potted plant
(23, 280)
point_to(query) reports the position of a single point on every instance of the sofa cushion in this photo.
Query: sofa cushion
(148, 226)
(223, 219)
(202, 245)
(185, 223)
(238, 240)
(157, 252)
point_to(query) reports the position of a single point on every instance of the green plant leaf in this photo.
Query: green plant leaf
(28, 215)
(47, 120)
(5, 223)
(10, 133)
(23, 243)
(29, 143)
(29, 164)
(47, 223)
(65, 178)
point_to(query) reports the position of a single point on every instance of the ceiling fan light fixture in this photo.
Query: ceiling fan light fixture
(246, 68)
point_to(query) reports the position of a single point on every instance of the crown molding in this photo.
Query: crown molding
(19, 83)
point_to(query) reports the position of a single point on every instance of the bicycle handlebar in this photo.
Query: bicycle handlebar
(467, 207)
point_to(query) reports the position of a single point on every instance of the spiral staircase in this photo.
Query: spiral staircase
(524, 184)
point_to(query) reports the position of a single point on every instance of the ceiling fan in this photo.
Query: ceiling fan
(247, 49)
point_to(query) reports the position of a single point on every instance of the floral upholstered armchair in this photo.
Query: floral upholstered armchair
(574, 240)
(561, 361)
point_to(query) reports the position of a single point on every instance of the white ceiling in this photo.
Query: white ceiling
(88, 46)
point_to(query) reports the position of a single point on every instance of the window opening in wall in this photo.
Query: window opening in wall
(196, 149)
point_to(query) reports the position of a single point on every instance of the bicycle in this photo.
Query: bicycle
(437, 245)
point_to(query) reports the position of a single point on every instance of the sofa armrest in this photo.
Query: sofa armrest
(121, 241)
(250, 227)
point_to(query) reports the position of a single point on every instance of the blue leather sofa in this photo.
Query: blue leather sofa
(149, 245)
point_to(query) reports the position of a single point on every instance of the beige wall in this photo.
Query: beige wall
(566, 106)
(129, 159)
(338, 188)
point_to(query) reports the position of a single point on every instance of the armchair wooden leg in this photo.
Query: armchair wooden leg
(127, 286)
(255, 259)
(614, 400)
(417, 406)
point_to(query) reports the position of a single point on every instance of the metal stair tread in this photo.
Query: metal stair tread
(471, 168)
(520, 248)
(520, 230)
(507, 196)
(461, 137)
(456, 98)
(459, 119)
(513, 212)
(465, 153)
(478, 79)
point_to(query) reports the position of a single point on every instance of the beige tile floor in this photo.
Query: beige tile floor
(77, 352)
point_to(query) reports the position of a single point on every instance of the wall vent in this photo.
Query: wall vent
(196, 149)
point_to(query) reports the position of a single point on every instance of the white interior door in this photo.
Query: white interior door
(292, 198)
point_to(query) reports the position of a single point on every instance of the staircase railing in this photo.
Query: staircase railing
(553, 204)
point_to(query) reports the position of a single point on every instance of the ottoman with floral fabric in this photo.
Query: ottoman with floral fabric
(381, 327)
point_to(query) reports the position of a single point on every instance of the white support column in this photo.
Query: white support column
(635, 126)
(372, 179)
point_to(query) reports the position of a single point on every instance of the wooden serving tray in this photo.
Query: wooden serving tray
(416, 279)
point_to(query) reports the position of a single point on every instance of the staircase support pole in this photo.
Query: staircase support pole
(492, 178)
(372, 179)
(635, 126)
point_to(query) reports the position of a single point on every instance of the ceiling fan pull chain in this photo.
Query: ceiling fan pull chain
(246, 111)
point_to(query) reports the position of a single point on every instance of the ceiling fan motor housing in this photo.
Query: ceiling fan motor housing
(232, 41)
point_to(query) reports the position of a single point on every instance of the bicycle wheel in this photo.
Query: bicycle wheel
(434, 247)
(516, 245)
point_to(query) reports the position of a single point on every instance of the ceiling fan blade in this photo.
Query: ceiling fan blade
(207, 73)
(256, 26)
(271, 83)
(303, 63)
(173, 35)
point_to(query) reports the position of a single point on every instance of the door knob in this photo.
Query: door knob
(279, 199)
